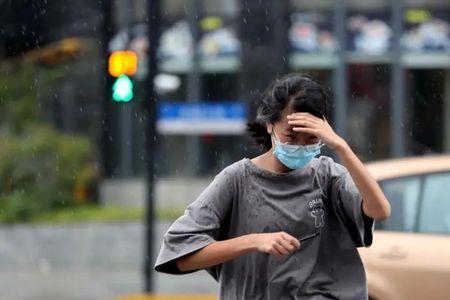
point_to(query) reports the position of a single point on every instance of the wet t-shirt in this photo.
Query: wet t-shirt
(245, 199)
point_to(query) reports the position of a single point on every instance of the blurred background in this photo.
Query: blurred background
(76, 80)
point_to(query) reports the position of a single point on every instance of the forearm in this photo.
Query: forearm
(217, 253)
(375, 204)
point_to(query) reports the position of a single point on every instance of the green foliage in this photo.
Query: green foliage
(20, 82)
(40, 171)
(91, 213)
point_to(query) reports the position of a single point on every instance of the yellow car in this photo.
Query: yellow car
(410, 255)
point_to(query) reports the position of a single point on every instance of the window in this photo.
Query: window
(368, 109)
(427, 110)
(435, 209)
(368, 28)
(403, 194)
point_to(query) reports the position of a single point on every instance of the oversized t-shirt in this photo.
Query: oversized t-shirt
(245, 199)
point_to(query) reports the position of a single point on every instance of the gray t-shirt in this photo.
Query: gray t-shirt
(244, 199)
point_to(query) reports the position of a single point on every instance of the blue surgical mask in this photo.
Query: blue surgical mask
(295, 156)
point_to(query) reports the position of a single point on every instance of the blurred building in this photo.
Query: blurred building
(386, 63)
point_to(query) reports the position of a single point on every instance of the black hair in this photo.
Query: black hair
(302, 91)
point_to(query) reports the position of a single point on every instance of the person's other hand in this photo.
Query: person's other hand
(276, 243)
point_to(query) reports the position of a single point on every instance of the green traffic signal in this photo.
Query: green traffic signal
(123, 89)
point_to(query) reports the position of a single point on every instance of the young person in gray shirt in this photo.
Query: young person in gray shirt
(283, 225)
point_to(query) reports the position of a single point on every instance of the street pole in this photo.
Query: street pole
(194, 86)
(125, 110)
(263, 30)
(150, 98)
(340, 72)
(397, 85)
(107, 154)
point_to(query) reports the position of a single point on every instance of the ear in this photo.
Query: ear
(269, 127)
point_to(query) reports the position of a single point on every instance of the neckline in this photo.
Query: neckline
(268, 173)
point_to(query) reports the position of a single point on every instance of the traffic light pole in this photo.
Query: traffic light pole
(125, 110)
(150, 98)
(195, 82)
(126, 139)
(107, 155)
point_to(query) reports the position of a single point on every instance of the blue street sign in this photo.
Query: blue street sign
(225, 117)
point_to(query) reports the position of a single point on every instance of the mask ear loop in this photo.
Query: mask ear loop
(275, 139)
(275, 136)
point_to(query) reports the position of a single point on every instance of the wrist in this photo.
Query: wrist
(341, 147)
(251, 242)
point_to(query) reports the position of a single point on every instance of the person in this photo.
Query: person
(285, 224)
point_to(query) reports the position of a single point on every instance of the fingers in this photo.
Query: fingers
(304, 116)
(292, 240)
(295, 242)
(280, 244)
(281, 249)
(274, 251)
(287, 244)
(311, 131)
(302, 123)
(305, 121)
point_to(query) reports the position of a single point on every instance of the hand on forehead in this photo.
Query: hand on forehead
(285, 131)
(289, 115)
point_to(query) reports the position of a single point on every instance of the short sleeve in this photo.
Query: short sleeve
(203, 222)
(347, 203)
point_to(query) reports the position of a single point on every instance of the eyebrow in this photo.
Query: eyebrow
(290, 132)
(295, 133)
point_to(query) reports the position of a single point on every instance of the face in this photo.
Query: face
(284, 131)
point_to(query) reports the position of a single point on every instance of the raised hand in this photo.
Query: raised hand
(307, 123)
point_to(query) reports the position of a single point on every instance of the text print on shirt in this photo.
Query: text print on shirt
(317, 212)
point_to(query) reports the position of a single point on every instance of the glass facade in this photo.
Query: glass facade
(387, 65)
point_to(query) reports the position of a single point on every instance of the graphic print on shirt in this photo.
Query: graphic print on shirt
(317, 212)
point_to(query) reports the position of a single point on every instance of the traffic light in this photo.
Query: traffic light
(123, 89)
(122, 64)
